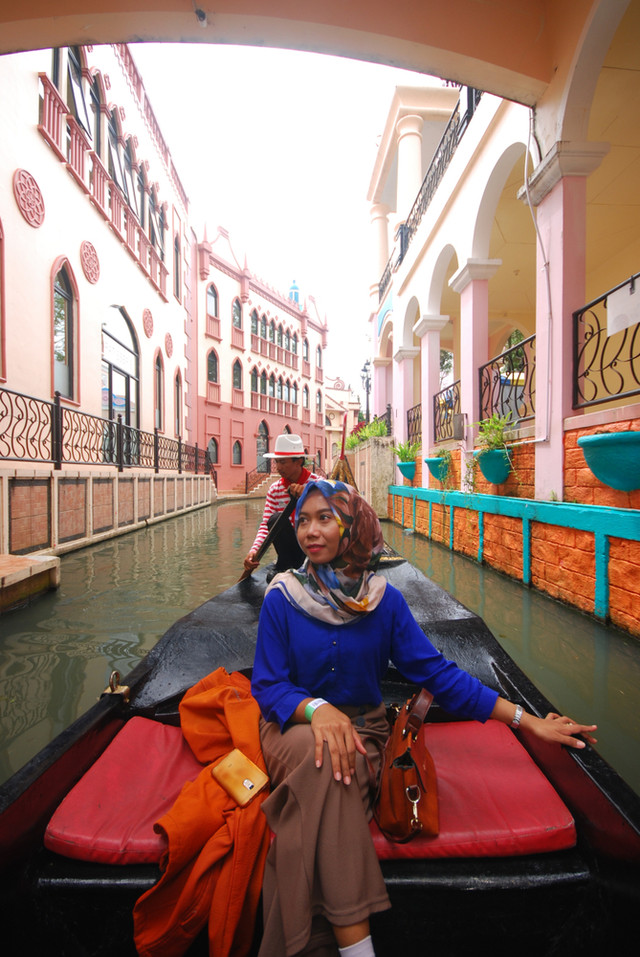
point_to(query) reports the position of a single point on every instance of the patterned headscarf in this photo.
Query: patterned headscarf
(347, 587)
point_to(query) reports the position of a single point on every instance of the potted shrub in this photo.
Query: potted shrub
(406, 452)
(440, 464)
(614, 458)
(493, 455)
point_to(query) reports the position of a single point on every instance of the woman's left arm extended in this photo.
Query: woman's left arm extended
(555, 727)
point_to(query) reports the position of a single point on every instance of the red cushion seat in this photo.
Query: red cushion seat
(108, 816)
(494, 800)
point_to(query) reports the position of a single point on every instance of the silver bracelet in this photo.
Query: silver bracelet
(517, 718)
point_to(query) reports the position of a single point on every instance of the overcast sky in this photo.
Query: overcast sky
(278, 147)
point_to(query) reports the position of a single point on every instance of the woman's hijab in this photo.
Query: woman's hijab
(347, 587)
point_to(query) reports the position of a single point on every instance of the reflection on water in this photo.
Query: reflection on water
(584, 668)
(116, 599)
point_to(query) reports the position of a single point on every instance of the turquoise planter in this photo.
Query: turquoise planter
(438, 467)
(408, 469)
(495, 464)
(614, 458)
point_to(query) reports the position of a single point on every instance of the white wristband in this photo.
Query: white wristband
(517, 716)
(311, 707)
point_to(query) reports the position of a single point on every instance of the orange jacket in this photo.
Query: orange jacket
(213, 866)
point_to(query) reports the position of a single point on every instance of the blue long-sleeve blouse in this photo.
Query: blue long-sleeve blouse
(299, 657)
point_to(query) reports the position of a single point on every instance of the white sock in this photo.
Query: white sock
(364, 948)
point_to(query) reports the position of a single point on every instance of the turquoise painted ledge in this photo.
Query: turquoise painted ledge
(495, 464)
(408, 469)
(438, 467)
(614, 458)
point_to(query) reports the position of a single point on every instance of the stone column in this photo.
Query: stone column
(558, 189)
(471, 281)
(403, 390)
(428, 329)
(380, 224)
(381, 393)
(409, 179)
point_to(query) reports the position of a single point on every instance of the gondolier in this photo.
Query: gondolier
(289, 456)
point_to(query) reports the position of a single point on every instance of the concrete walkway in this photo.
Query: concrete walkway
(22, 577)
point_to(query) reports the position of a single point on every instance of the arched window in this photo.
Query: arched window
(263, 383)
(237, 314)
(294, 393)
(158, 392)
(287, 391)
(177, 267)
(130, 177)
(254, 379)
(212, 301)
(95, 103)
(279, 336)
(237, 453)
(177, 393)
(115, 164)
(272, 386)
(254, 323)
(142, 198)
(318, 401)
(272, 331)
(212, 449)
(64, 334)
(287, 341)
(263, 327)
(279, 389)
(294, 344)
(305, 398)
(237, 374)
(76, 98)
(305, 350)
(319, 357)
(156, 224)
(120, 367)
(212, 367)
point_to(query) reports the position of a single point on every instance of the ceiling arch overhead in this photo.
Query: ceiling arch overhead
(514, 48)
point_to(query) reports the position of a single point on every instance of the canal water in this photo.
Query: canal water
(117, 598)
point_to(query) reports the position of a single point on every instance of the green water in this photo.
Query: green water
(117, 598)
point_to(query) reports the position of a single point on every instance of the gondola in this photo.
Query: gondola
(575, 899)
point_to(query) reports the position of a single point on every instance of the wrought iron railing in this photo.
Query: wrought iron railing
(386, 418)
(414, 424)
(452, 135)
(37, 430)
(256, 476)
(508, 383)
(605, 366)
(446, 404)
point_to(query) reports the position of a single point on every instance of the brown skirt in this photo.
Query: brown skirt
(321, 868)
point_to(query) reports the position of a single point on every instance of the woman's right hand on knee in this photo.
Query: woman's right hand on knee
(331, 725)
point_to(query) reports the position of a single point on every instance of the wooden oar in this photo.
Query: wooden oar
(279, 523)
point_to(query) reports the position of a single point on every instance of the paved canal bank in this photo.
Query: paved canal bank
(117, 598)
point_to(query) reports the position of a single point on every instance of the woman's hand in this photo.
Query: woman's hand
(556, 728)
(331, 725)
(559, 729)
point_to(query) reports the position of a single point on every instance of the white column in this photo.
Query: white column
(471, 281)
(380, 223)
(428, 329)
(403, 390)
(409, 131)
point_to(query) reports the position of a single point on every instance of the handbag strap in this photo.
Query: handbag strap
(418, 708)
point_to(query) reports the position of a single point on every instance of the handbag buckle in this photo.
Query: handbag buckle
(413, 796)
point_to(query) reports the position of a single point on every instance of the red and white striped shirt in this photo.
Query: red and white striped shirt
(277, 500)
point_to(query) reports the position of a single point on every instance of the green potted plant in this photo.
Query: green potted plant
(406, 452)
(440, 464)
(493, 455)
(614, 458)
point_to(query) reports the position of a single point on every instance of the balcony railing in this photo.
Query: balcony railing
(508, 383)
(414, 424)
(441, 159)
(446, 404)
(606, 364)
(37, 430)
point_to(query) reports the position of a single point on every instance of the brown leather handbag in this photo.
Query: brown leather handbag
(407, 799)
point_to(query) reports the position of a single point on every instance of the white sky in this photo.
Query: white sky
(278, 147)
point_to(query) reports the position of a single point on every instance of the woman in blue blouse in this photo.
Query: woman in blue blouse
(326, 635)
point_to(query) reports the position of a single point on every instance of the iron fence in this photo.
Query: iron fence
(414, 424)
(508, 383)
(606, 366)
(38, 430)
(446, 404)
